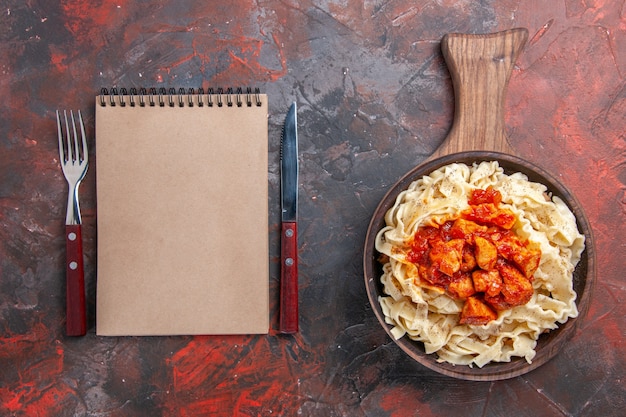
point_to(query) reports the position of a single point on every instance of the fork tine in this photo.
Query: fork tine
(71, 139)
(85, 153)
(68, 142)
(76, 153)
(60, 137)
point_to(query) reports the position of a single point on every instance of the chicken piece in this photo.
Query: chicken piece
(504, 218)
(476, 312)
(490, 214)
(497, 302)
(433, 275)
(447, 255)
(527, 260)
(511, 248)
(517, 289)
(488, 195)
(424, 273)
(468, 263)
(461, 287)
(457, 245)
(508, 245)
(486, 253)
(488, 282)
(463, 229)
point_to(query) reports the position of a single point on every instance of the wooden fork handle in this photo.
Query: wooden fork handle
(76, 320)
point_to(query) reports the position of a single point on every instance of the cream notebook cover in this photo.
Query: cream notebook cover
(182, 214)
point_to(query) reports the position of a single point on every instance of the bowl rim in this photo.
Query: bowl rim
(549, 344)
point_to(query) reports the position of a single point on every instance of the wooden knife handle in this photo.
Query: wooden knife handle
(76, 320)
(289, 278)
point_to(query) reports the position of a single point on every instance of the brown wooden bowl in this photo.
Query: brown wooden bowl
(480, 66)
(549, 343)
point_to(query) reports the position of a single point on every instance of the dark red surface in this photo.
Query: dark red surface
(375, 99)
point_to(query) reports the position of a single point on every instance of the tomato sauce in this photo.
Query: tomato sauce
(476, 255)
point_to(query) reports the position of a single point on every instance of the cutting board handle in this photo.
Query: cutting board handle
(480, 67)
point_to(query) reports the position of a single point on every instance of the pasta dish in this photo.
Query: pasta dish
(477, 264)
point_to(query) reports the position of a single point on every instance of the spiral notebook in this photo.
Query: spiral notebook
(182, 212)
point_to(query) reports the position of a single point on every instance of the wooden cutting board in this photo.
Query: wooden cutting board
(480, 67)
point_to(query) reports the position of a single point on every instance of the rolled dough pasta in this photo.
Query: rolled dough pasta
(429, 315)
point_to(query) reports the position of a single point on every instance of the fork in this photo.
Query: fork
(73, 156)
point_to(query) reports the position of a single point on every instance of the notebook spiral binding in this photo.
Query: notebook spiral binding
(180, 98)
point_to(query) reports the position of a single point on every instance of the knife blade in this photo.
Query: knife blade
(289, 224)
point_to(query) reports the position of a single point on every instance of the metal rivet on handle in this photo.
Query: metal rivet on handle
(289, 232)
(71, 236)
(73, 265)
(289, 261)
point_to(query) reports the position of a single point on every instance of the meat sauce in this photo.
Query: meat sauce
(478, 258)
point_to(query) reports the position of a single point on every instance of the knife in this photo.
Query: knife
(289, 227)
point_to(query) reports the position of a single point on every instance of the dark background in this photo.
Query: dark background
(375, 99)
